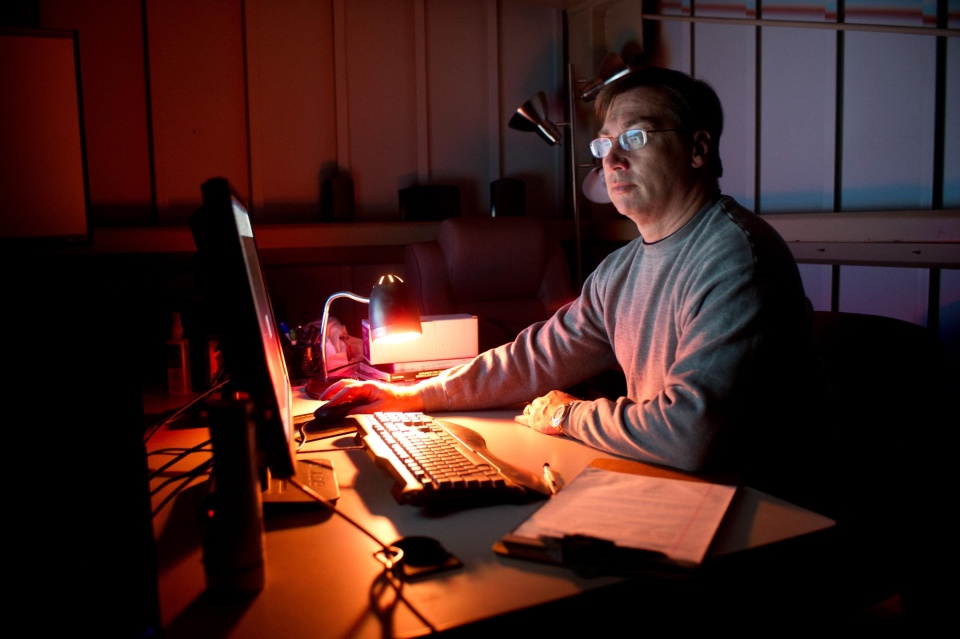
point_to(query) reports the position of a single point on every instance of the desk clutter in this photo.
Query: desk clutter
(302, 545)
(446, 340)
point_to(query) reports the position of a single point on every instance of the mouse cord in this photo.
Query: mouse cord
(389, 556)
(335, 449)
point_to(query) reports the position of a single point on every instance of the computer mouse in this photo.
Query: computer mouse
(326, 422)
(332, 415)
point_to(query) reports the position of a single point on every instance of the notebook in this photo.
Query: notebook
(615, 517)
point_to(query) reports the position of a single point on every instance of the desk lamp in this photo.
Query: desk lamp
(394, 316)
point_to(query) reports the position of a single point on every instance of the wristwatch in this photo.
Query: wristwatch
(560, 416)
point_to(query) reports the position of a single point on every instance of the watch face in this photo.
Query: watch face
(559, 414)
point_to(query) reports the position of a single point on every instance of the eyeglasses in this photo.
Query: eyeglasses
(631, 140)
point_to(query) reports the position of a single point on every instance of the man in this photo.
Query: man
(705, 312)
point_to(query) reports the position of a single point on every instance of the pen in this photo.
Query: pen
(550, 479)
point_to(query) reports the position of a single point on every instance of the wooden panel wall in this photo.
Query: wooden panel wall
(279, 96)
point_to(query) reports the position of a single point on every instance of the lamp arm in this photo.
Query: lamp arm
(323, 324)
(572, 120)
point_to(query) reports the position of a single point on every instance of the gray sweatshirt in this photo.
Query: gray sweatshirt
(710, 327)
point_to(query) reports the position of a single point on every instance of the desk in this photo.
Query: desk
(322, 576)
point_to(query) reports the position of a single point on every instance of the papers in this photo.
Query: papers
(672, 520)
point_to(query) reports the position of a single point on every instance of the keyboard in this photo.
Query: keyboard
(440, 463)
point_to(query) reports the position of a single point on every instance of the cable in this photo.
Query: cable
(174, 451)
(327, 450)
(186, 452)
(178, 454)
(200, 468)
(160, 423)
(343, 366)
(389, 556)
(184, 480)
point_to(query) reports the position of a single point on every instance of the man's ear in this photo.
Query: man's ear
(702, 148)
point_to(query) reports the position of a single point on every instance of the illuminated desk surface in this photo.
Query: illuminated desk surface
(322, 577)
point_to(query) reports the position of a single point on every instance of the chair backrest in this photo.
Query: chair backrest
(881, 453)
(505, 270)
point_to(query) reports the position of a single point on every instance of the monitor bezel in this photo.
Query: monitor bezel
(234, 290)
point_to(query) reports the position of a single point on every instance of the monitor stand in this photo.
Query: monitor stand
(316, 474)
(239, 466)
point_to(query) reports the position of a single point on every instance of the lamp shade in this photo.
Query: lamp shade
(613, 68)
(532, 116)
(394, 315)
(595, 187)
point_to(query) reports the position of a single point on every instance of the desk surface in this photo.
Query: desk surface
(323, 580)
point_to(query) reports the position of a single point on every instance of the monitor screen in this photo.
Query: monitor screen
(233, 288)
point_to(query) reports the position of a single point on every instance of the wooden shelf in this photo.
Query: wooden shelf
(273, 237)
(923, 238)
(178, 239)
(920, 238)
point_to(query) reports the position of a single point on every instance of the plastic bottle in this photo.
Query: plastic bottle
(178, 359)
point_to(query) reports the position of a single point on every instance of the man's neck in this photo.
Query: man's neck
(656, 225)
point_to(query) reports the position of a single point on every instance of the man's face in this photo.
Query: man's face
(658, 175)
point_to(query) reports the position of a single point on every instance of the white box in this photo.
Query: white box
(444, 337)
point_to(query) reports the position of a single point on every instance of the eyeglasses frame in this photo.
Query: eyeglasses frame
(622, 139)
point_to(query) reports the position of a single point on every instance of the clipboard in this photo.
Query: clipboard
(666, 524)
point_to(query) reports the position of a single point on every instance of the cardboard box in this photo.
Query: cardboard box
(444, 337)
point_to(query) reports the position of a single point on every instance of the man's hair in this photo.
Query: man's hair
(693, 104)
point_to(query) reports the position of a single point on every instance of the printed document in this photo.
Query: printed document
(672, 516)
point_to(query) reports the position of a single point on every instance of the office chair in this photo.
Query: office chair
(505, 270)
(880, 463)
(429, 202)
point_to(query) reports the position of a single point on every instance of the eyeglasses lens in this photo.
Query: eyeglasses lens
(629, 141)
(633, 139)
(600, 147)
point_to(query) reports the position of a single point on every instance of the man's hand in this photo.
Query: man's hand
(538, 413)
(369, 397)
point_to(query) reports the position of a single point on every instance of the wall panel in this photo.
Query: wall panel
(951, 146)
(797, 120)
(293, 132)
(381, 113)
(115, 113)
(531, 60)
(950, 313)
(733, 77)
(818, 284)
(42, 185)
(888, 125)
(884, 290)
(198, 100)
(457, 106)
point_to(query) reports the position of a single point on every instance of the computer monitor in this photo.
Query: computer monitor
(235, 293)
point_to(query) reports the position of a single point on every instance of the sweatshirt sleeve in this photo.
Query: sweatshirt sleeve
(558, 353)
